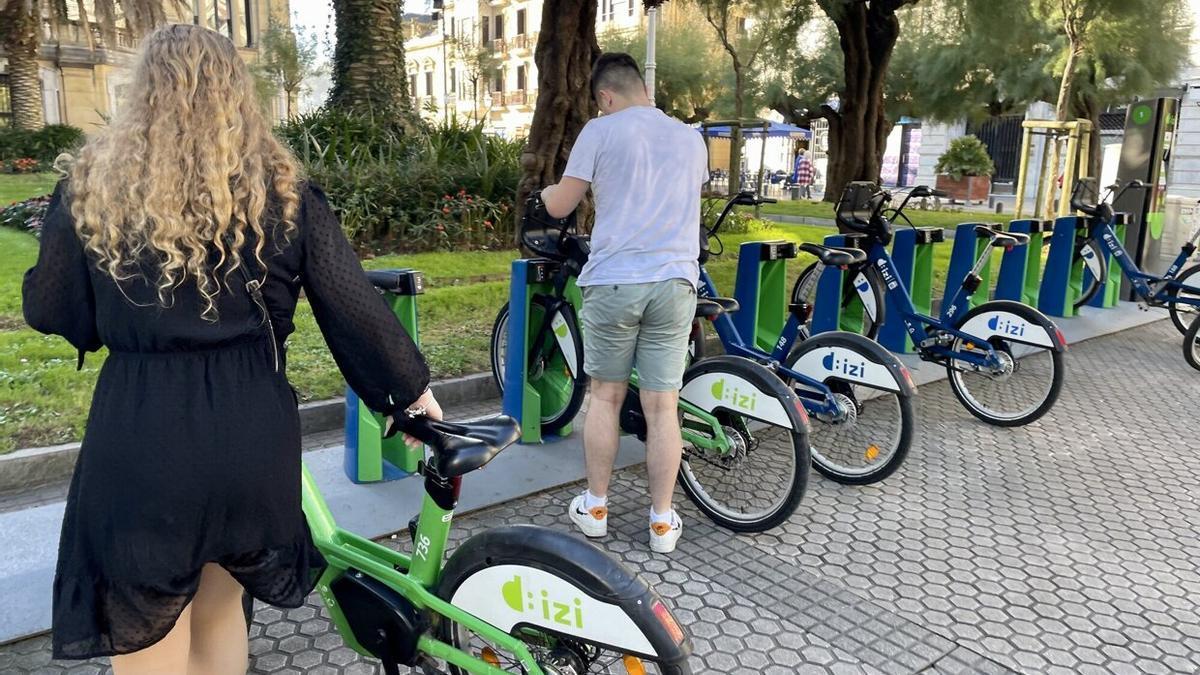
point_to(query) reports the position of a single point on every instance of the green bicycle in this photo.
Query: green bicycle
(513, 600)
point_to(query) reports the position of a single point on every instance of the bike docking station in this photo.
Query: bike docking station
(1111, 293)
(527, 394)
(760, 288)
(1020, 275)
(829, 314)
(369, 456)
(969, 245)
(912, 253)
(1062, 282)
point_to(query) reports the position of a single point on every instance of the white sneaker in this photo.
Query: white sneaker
(664, 536)
(592, 522)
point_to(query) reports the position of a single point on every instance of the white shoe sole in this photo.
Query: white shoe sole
(587, 524)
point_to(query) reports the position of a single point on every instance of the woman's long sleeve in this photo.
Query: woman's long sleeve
(57, 296)
(375, 354)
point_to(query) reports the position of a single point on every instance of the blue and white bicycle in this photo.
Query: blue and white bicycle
(858, 394)
(1003, 359)
(1170, 289)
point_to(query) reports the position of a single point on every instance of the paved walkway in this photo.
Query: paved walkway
(1069, 546)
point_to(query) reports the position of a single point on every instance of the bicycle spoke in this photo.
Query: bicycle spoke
(1019, 389)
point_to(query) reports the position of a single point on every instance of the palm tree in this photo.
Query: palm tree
(21, 38)
(368, 59)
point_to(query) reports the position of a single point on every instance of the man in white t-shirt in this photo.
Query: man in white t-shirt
(645, 170)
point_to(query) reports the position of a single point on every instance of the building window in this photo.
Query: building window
(632, 4)
(520, 22)
(412, 85)
(606, 10)
(741, 25)
(520, 78)
(248, 20)
(429, 83)
(222, 21)
(5, 103)
(499, 26)
(454, 79)
(487, 31)
(498, 80)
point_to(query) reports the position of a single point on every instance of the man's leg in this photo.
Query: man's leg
(601, 433)
(661, 355)
(664, 445)
(610, 323)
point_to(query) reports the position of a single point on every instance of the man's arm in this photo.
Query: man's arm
(562, 198)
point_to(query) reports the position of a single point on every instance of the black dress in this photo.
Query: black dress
(192, 448)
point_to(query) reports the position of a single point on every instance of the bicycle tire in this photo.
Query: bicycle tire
(1182, 315)
(554, 416)
(971, 401)
(1098, 280)
(870, 326)
(1191, 344)
(751, 483)
(878, 437)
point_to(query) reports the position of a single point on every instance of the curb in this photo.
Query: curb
(35, 467)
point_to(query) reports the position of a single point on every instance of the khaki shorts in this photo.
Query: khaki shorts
(638, 325)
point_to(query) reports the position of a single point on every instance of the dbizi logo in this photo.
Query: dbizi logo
(1006, 326)
(844, 366)
(525, 602)
(734, 396)
(888, 278)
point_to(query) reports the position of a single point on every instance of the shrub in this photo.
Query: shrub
(27, 215)
(388, 179)
(966, 156)
(737, 222)
(43, 145)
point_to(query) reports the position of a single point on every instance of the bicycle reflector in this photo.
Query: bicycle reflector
(1061, 338)
(664, 617)
(633, 665)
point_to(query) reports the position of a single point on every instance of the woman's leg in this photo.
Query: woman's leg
(168, 655)
(219, 637)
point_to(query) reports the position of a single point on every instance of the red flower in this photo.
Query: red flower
(487, 222)
(462, 191)
(445, 209)
(468, 200)
(446, 197)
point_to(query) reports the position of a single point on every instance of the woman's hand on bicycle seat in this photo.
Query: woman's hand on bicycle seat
(427, 406)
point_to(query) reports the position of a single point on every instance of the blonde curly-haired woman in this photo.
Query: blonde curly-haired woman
(181, 241)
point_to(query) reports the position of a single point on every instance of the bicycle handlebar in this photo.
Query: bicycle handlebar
(743, 198)
(1102, 208)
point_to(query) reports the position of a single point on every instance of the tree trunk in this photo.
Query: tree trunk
(1087, 106)
(1062, 109)
(368, 61)
(566, 50)
(735, 135)
(20, 39)
(858, 131)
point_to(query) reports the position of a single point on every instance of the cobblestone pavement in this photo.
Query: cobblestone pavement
(1068, 546)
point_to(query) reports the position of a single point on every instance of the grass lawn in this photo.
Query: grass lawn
(17, 187)
(43, 400)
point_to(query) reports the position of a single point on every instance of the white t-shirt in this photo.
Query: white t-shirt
(646, 171)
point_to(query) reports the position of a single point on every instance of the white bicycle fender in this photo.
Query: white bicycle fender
(710, 391)
(1008, 326)
(845, 364)
(562, 334)
(508, 595)
(863, 286)
(1090, 260)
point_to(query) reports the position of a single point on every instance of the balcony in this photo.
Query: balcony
(499, 46)
(524, 42)
(75, 34)
(498, 4)
(514, 98)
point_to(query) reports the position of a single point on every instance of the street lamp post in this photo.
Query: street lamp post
(651, 35)
(440, 13)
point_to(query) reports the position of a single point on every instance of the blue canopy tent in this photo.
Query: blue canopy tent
(773, 129)
(753, 128)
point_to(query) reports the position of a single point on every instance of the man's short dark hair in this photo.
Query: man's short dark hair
(616, 71)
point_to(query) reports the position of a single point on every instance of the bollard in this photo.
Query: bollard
(369, 457)
(912, 254)
(761, 291)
